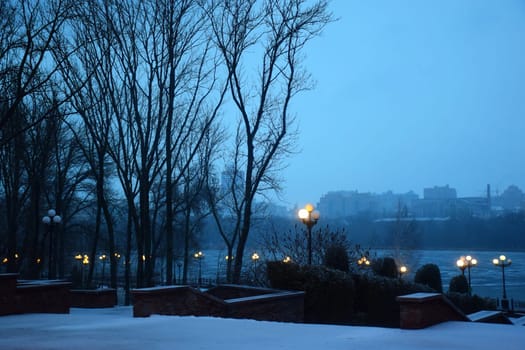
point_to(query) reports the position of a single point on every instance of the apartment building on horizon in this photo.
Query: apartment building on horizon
(437, 202)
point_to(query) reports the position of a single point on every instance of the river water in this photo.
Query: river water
(486, 279)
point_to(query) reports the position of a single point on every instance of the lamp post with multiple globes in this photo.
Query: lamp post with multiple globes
(309, 217)
(403, 270)
(50, 220)
(467, 262)
(503, 262)
(363, 261)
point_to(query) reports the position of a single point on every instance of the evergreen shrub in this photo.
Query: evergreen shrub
(458, 284)
(376, 298)
(336, 257)
(430, 275)
(470, 304)
(329, 294)
(385, 267)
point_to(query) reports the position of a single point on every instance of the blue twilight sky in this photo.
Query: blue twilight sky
(412, 94)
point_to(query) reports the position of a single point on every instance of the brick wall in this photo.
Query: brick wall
(43, 297)
(17, 297)
(234, 302)
(178, 300)
(420, 310)
(7, 293)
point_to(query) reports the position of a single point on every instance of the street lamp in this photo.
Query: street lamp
(467, 262)
(199, 256)
(50, 220)
(309, 217)
(403, 270)
(85, 263)
(460, 263)
(287, 260)
(255, 258)
(79, 258)
(179, 266)
(103, 258)
(503, 262)
(363, 261)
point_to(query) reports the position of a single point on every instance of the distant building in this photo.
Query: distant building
(437, 202)
(339, 204)
(512, 199)
(439, 193)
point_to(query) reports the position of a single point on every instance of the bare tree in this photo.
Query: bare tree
(88, 72)
(186, 76)
(30, 31)
(14, 177)
(275, 32)
(151, 61)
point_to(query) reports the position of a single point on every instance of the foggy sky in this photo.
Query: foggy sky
(412, 94)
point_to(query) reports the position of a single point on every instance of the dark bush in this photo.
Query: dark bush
(376, 301)
(429, 275)
(336, 257)
(336, 297)
(470, 304)
(458, 284)
(385, 267)
(284, 275)
(329, 293)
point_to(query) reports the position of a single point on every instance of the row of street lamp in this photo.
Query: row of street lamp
(468, 262)
(309, 217)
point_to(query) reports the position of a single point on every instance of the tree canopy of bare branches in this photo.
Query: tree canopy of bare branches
(271, 34)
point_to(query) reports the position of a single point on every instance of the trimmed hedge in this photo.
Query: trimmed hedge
(430, 275)
(336, 297)
(336, 257)
(376, 298)
(458, 284)
(385, 267)
(470, 304)
(329, 293)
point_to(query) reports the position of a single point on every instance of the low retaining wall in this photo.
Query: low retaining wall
(18, 297)
(175, 300)
(223, 301)
(93, 298)
(7, 293)
(420, 310)
(43, 297)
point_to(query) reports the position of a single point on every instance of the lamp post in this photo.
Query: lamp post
(79, 258)
(363, 261)
(503, 262)
(179, 267)
(255, 258)
(309, 217)
(85, 263)
(403, 270)
(103, 258)
(50, 220)
(460, 263)
(467, 262)
(199, 256)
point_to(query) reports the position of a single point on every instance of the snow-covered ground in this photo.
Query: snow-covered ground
(117, 329)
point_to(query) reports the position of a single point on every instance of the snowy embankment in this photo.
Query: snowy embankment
(117, 329)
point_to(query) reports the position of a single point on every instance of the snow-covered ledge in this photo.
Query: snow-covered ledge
(421, 310)
(232, 301)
